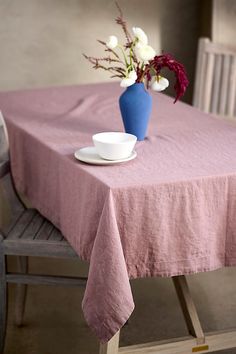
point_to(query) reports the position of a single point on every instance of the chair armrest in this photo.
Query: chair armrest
(4, 168)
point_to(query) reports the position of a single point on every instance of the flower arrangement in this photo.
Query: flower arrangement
(136, 61)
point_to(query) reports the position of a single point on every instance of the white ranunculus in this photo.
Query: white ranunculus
(127, 82)
(112, 42)
(129, 79)
(141, 35)
(145, 53)
(132, 75)
(160, 84)
(138, 45)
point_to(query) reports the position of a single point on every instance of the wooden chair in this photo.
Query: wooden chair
(215, 79)
(27, 234)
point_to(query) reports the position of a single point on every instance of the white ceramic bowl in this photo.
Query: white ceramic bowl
(114, 145)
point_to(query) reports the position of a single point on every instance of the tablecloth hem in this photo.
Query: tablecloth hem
(135, 272)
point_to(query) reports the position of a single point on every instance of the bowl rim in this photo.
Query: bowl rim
(133, 140)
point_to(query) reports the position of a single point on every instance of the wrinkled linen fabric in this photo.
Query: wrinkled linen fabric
(170, 211)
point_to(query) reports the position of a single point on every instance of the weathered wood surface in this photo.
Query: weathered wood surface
(214, 341)
(34, 279)
(32, 235)
(21, 291)
(112, 347)
(188, 308)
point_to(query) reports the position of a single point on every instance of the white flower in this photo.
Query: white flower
(126, 82)
(145, 53)
(132, 75)
(129, 79)
(160, 84)
(112, 42)
(141, 35)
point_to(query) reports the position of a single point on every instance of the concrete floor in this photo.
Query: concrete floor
(54, 322)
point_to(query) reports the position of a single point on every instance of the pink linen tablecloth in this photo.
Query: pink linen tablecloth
(170, 211)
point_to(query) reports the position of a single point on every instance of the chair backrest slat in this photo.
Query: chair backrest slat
(216, 84)
(4, 142)
(224, 85)
(215, 80)
(201, 64)
(232, 88)
(10, 203)
(208, 82)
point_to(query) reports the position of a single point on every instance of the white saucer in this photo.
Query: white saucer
(89, 155)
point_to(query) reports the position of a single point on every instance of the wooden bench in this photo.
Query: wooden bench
(28, 234)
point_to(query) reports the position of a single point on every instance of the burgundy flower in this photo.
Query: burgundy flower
(168, 61)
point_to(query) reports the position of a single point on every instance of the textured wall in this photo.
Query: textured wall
(42, 41)
(224, 22)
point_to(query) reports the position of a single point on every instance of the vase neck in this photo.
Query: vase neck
(137, 86)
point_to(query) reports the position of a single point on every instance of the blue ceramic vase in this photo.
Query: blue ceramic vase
(135, 106)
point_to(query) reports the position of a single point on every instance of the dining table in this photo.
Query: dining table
(169, 212)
